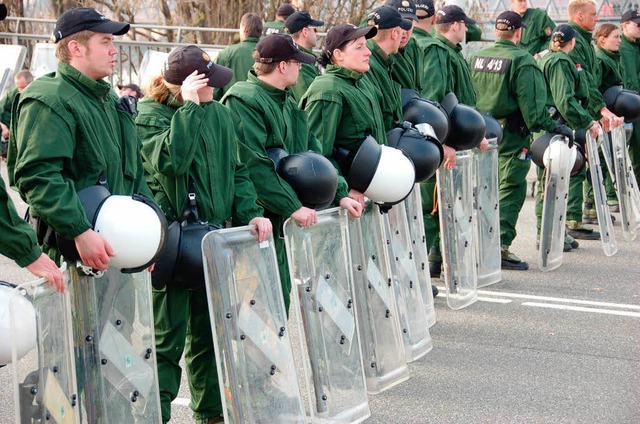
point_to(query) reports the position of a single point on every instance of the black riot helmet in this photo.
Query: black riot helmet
(418, 110)
(312, 176)
(425, 152)
(467, 126)
(494, 129)
(538, 147)
(624, 103)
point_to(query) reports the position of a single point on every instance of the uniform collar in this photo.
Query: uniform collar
(586, 34)
(309, 51)
(612, 55)
(275, 93)
(343, 72)
(250, 40)
(624, 37)
(421, 32)
(456, 47)
(377, 50)
(98, 88)
(501, 42)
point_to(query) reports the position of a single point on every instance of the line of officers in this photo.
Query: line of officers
(203, 160)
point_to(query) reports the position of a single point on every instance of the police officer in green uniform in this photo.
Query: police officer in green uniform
(238, 56)
(342, 106)
(407, 63)
(422, 28)
(277, 26)
(189, 145)
(21, 80)
(630, 52)
(67, 134)
(266, 117)
(568, 92)
(608, 38)
(538, 27)
(303, 30)
(384, 45)
(444, 71)
(512, 88)
(18, 242)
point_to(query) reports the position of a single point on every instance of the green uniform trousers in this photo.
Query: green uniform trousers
(182, 322)
(431, 221)
(512, 174)
(634, 149)
(283, 269)
(574, 204)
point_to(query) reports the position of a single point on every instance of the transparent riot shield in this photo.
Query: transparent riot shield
(115, 347)
(249, 323)
(43, 60)
(319, 263)
(12, 59)
(624, 183)
(555, 195)
(151, 65)
(45, 387)
(5, 73)
(409, 300)
(609, 243)
(413, 207)
(380, 337)
(455, 205)
(487, 214)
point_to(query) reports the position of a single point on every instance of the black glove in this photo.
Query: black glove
(564, 130)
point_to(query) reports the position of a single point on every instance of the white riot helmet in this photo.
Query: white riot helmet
(24, 314)
(134, 227)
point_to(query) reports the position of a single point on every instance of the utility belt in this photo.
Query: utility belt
(514, 123)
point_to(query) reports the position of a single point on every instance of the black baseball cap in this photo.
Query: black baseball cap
(426, 6)
(630, 15)
(276, 48)
(285, 10)
(564, 32)
(342, 33)
(86, 18)
(3, 11)
(182, 61)
(299, 20)
(386, 17)
(407, 8)
(453, 13)
(509, 21)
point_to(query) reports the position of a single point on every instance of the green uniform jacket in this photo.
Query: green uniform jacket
(567, 88)
(584, 54)
(611, 72)
(421, 36)
(67, 132)
(5, 105)
(407, 67)
(17, 239)
(379, 76)
(507, 79)
(274, 27)
(239, 58)
(630, 52)
(537, 34)
(308, 73)
(343, 110)
(445, 71)
(474, 33)
(266, 117)
(182, 140)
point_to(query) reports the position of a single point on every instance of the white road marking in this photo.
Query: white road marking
(181, 401)
(582, 309)
(494, 300)
(559, 299)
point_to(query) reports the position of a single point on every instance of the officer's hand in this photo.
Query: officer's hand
(191, 85)
(263, 228)
(594, 130)
(94, 250)
(5, 130)
(45, 267)
(449, 157)
(609, 119)
(306, 217)
(352, 206)
(484, 144)
(565, 131)
(357, 196)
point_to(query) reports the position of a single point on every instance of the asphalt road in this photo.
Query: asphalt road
(556, 347)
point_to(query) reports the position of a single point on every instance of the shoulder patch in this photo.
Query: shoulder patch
(494, 65)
